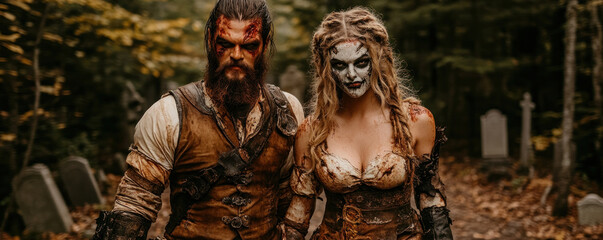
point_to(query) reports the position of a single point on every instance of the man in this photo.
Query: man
(222, 143)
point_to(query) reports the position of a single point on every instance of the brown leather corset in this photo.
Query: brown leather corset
(369, 213)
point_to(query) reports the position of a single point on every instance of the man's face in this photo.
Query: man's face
(238, 46)
(351, 67)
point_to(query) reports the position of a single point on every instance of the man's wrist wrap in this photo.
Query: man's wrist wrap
(121, 225)
(293, 234)
(436, 223)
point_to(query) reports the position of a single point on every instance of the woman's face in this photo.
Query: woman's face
(351, 67)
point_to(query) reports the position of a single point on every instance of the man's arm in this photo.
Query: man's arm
(150, 161)
(429, 189)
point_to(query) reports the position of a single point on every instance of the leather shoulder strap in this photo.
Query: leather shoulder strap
(286, 121)
(194, 94)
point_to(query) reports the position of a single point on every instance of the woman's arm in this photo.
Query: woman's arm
(423, 131)
(304, 187)
(429, 189)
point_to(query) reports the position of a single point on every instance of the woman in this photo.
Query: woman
(362, 142)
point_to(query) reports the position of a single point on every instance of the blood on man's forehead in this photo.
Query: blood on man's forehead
(251, 28)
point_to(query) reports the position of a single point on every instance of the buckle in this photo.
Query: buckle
(195, 187)
(210, 174)
(245, 178)
(352, 214)
(236, 222)
(236, 199)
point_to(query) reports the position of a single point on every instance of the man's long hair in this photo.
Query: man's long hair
(388, 79)
(247, 90)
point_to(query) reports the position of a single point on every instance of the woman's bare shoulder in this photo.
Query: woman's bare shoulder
(422, 128)
(420, 114)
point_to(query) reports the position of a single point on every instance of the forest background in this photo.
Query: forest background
(85, 65)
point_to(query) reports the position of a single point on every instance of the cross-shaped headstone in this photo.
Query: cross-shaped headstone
(526, 124)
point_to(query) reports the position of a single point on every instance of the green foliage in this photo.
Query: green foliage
(89, 50)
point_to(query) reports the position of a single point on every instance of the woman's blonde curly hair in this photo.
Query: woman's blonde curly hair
(388, 80)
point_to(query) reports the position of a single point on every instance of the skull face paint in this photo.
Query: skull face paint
(351, 67)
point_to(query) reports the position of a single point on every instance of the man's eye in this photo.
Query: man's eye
(252, 46)
(362, 63)
(225, 44)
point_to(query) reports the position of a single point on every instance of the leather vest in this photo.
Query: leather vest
(246, 209)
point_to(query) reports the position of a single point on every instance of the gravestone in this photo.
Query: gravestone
(40, 202)
(494, 135)
(79, 182)
(590, 210)
(495, 149)
(293, 81)
(102, 180)
(526, 125)
(133, 104)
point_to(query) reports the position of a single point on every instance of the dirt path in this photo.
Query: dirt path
(468, 223)
(508, 209)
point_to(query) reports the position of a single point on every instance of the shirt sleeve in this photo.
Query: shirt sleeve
(157, 132)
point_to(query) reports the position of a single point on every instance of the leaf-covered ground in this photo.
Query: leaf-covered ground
(508, 209)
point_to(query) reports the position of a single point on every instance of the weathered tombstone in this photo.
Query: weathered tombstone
(526, 125)
(133, 103)
(293, 81)
(101, 179)
(40, 202)
(494, 135)
(79, 182)
(495, 149)
(590, 210)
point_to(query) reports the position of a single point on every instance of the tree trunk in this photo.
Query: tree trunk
(36, 70)
(34, 123)
(596, 41)
(561, 205)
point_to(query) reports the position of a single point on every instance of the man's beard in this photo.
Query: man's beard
(237, 96)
